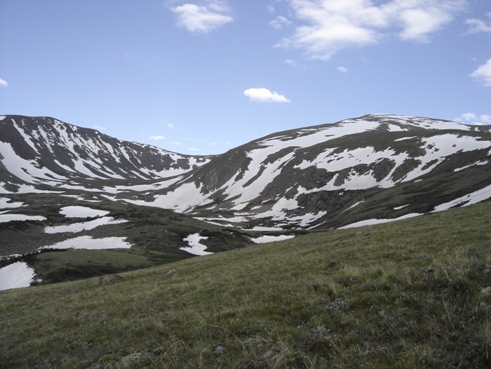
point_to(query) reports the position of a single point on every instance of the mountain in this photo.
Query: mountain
(333, 175)
(164, 206)
(44, 152)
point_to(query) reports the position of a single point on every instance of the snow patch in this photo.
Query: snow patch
(404, 138)
(469, 199)
(16, 275)
(401, 207)
(471, 165)
(81, 212)
(89, 243)
(267, 239)
(5, 203)
(84, 226)
(195, 247)
(378, 221)
(19, 217)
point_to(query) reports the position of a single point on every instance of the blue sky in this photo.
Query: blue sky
(204, 76)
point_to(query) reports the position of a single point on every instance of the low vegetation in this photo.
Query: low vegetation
(410, 294)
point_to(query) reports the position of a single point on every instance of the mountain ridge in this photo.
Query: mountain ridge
(299, 178)
(53, 149)
(297, 169)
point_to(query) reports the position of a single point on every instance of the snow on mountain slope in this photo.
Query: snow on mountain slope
(372, 167)
(47, 151)
(300, 178)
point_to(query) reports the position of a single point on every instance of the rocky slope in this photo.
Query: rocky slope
(371, 167)
(41, 152)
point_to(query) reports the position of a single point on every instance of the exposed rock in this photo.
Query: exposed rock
(139, 358)
(486, 292)
(109, 278)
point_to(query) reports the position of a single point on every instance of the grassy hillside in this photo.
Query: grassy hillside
(410, 294)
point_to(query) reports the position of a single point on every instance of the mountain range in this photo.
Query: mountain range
(363, 170)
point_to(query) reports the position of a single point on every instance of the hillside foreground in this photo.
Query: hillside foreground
(409, 294)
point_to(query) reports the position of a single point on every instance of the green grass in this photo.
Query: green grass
(73, 264)
(397, 295)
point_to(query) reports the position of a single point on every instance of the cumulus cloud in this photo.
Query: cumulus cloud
(478, 25)
(264, 95)
(483, 74)
(203, 18)
(280, 22)
(3, 83)
(471, 118)
(157, 138)
(342, 69)
(330, 26)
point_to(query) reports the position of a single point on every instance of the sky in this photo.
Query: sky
(201, 77)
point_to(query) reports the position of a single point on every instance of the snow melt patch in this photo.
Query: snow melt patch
(378, 221)
(84, 226)
(16, 275)
(401, 207)
(19, 217)
(5, 203)
(81, 212)
(89, 243)
(267, 239)
(196, 248)
(471, 165)
(469, 199)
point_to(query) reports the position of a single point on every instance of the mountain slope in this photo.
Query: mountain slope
(309, 177)
(380, 297)
(45, 151)
(362, 170)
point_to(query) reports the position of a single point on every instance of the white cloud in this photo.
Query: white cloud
(420, 18)
(342, 69)
(291, 62)
(157, 138)
(280, 22)
(330, 26)
(170, 125)
(203, 18)
(471, 118)
(264, 95)
(483, 74)
(478, 25)
(3, 83)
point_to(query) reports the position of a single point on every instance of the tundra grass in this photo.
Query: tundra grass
(410, 294)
